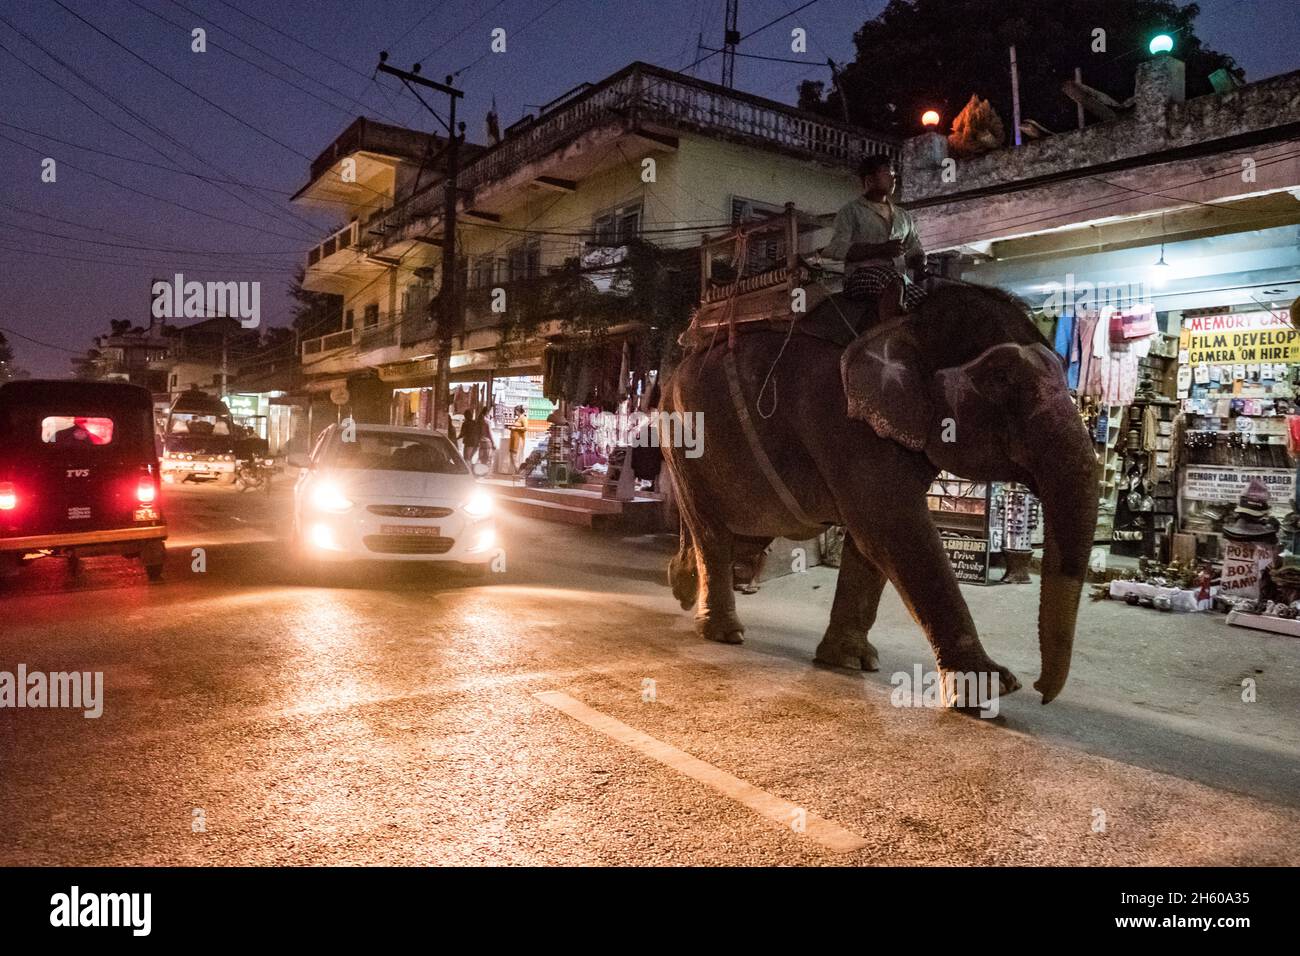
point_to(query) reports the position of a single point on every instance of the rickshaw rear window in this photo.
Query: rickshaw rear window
(76, 430)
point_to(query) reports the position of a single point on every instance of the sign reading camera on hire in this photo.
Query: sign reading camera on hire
(1239, 339)
(1228, 483)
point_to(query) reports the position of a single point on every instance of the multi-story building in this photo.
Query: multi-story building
(643, 154)
(1163, 213)
(169, 359)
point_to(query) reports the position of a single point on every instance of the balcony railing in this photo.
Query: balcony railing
(345, 238)
(642, 93)
(392, 329)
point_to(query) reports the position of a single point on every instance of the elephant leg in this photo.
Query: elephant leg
(904, 542)
(716, 619)
(857, 596)
(715, 550)
(710, 544)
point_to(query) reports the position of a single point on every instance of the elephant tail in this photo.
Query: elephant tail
(683, 572)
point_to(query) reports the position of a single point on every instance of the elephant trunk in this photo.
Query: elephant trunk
(1067, 484)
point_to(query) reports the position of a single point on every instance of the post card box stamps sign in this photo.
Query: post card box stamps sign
(1228, 483)
(1239, 340)
(1243, 564)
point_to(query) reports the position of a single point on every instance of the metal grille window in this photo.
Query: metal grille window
(371, 317)
(767, 253)
(617, 227)
(525, 260)
(349, 319)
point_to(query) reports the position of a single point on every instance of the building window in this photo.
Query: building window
(371, 317)
(617, 227)
(768, 253)
(484, 272)
(349, 320)
(525, 260)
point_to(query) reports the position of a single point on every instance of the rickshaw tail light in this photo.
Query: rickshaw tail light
(145, 492)
(8, 496)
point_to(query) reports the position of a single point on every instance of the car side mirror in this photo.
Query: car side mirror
(299, 461)
(480, 468)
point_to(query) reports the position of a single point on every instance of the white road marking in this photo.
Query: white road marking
(830, 835)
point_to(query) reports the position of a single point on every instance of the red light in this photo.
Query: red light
(8, 496)
(145, 492)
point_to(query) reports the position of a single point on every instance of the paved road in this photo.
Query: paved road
(563, 712)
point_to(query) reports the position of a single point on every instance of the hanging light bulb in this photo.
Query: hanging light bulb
(1160, 270)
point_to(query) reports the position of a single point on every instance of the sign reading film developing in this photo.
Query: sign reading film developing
(969, 558)
(1242, 339)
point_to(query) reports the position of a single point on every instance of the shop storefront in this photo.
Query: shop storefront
(1184, 364)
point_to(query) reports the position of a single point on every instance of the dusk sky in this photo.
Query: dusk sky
(60, 288)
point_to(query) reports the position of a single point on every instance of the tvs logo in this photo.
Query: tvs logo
(78, 472)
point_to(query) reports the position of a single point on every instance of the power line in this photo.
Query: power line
(185, 86)
(769, 23)
(141, 192)
(277, 214)
(368, 77)
(455, 36)
(265, 53)
(103, 230)
(514, 34)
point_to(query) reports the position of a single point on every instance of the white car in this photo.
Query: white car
(391, 494)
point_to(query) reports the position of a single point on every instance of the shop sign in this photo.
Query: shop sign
(1239, 339)
(969, 558)
(1228, 483)
(244, 405)
(1243, 563)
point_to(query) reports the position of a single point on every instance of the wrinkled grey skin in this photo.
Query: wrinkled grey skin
(968, 386)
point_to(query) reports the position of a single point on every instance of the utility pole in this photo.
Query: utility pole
(451, 318)
(730, 38)
(224, 366)
(1015, 95)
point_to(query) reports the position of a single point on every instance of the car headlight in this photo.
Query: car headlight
(327, 496)
(479, 504)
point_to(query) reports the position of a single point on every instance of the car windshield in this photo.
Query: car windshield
(188, 423)
(393, 451)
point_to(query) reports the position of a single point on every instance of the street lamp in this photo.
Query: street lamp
(930, 118)
(1161, 43)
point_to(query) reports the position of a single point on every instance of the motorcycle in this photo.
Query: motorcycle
(254, 473)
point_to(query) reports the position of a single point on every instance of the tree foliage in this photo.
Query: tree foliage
(935, 54)
(648, 285)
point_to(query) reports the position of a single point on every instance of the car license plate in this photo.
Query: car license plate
(408, 529)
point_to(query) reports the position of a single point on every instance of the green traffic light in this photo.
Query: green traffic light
(1161, 43)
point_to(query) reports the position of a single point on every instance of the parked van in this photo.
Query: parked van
(199, 440)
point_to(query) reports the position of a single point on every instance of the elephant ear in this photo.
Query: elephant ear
(885, 383)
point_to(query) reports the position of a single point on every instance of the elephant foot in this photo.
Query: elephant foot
(684, 579)
(844, 648)
(725, 629)
(956, 669)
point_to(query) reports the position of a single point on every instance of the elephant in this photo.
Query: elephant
(854, 436)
